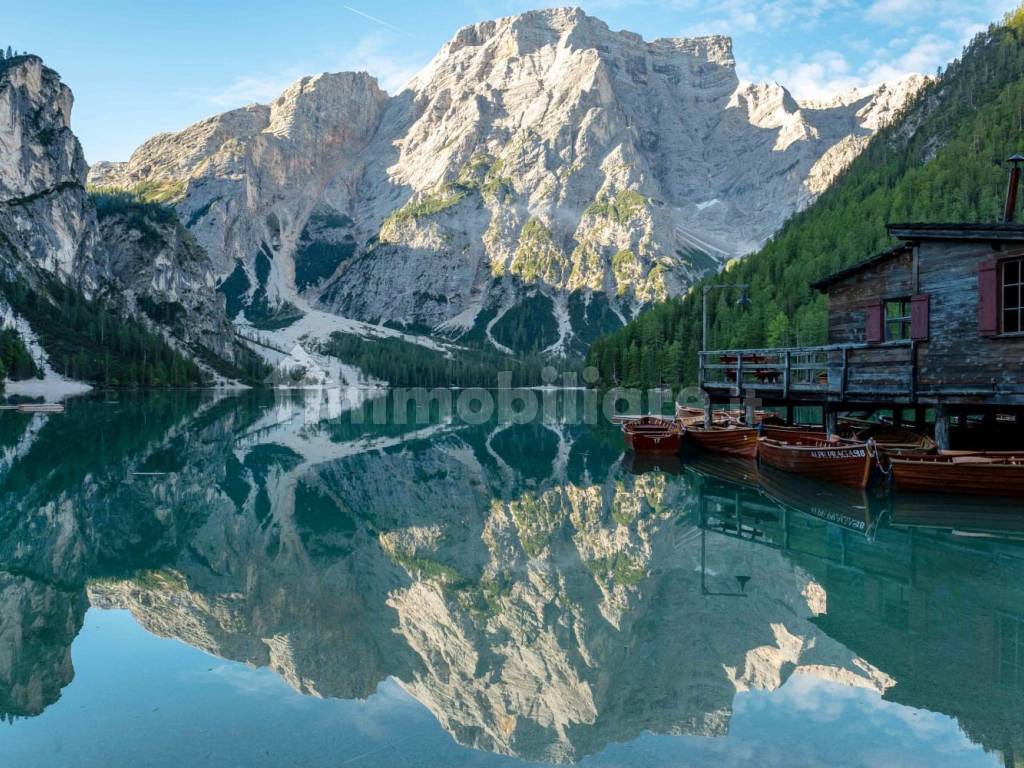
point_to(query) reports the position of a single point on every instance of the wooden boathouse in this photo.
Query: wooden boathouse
(931, 331)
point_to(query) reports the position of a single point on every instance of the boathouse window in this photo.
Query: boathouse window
(897, 319)
(1013, 296)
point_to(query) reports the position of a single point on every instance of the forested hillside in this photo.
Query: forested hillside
(943, 159)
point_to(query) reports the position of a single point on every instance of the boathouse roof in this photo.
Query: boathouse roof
(988, 231)
(958, 231)
(826, 282)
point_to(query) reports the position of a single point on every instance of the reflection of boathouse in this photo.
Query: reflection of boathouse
(940, 612)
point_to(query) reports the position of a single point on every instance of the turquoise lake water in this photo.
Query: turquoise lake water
(264, 580)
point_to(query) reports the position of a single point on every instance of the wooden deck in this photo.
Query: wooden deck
(895, 373)
(835, 373)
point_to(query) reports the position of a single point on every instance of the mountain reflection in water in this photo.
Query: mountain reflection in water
(541, 595)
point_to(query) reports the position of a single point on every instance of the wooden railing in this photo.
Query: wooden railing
(834, 371)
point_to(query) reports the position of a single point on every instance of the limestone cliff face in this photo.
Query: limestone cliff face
(248, 182)
(45, 218)
(540, 163)
(146, 263)
(165, 276)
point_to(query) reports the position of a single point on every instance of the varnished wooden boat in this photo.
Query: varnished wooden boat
(981, 474)
(651, 434)
(895, 440)
(836, 461)
(731, 441)
(686, 411)
(688, 416)
(796, 432)
(625, 418)
(760, 417)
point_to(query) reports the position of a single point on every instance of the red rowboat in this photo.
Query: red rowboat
(838, 461)
(732, 441)
(651, 434)
(996, 474)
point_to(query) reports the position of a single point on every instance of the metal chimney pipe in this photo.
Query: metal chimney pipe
(1010, 210)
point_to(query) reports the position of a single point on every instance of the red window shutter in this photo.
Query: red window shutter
(873, 330)
(919, 317)
(988, 299)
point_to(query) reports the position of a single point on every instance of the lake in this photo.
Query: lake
(272, 579)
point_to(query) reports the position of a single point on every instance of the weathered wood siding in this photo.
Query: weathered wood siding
(847, 299)
(956, 355)
(956, 359)
(880, 369)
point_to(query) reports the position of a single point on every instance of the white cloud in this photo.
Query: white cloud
(923, 56)
(820, 77)
(249, 88)
(733, 17)
(374, 53)
(377, 55)
(830, 72)
(891, 11)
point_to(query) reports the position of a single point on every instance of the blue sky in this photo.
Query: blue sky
(138, 68)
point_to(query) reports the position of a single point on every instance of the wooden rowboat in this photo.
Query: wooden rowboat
(651, 434)
(688, 416)
(786, 434)
(687, 411)
(731, 441)
(837, 461)
(625, 418)
(995, 474)
(895, 440)
(760, 417)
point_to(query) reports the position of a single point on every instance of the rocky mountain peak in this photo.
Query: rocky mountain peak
(530, 29)
(325, 105)
(42, 171)
(40, 151)
(542, 170)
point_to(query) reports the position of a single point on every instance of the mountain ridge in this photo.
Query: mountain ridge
(541, 169)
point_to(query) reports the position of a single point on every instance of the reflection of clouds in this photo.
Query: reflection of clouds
(248, 680)
(853, 711)
(813, 698)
